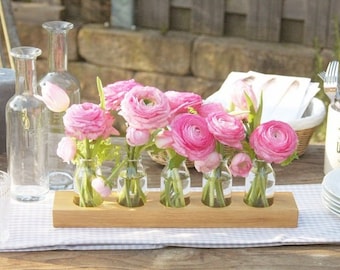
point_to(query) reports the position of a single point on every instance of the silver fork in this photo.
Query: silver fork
(331, 79)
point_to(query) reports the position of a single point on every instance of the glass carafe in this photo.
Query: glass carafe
(60, 173)
(26, 127)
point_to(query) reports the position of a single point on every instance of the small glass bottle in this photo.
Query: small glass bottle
(60, 173)
(26, 118)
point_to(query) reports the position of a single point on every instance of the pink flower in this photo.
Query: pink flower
(238, 95)
(145, 107)
(67, 149)
(273, 141)
(164, 139)
(55, 98)
(181, 102)
(210, 163)
(115, 92)
(99, 186)
(88, 121)
(226, 128)
(191, 136)
(240, 165)
(208, 108)
(136, 137)
(109, 130)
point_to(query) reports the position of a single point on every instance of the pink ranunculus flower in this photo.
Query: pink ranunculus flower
(99, 186)
(137, 137)
(210, 163)
(86, 121)
(208, 108)
(67, 149)
(240, 165)
(164, 139)
(180, 102)
(55, 98)
(274, 141)
(191, 136)
(109, 130)
(115, 92)
(145, 107)
(226, 128)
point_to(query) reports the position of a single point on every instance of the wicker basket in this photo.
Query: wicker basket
(161, 158)
(306, 125)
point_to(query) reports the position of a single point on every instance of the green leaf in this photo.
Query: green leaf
(175, 161)
(101, 93)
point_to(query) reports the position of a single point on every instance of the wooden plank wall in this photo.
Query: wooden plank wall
(264, 20)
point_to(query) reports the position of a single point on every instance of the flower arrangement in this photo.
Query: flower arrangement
(145, 110)
(184, 126)
(87, 144)
(269, 142)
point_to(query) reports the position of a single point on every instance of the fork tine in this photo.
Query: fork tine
(332, 70)
(322, 75)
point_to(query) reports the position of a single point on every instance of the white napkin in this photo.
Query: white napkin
(285, 98)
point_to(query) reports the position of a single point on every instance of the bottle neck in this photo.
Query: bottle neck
(57, 52)
(25, 76)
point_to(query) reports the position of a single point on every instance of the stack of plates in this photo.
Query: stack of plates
(331, 191)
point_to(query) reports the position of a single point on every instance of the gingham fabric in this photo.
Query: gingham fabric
(31, 229)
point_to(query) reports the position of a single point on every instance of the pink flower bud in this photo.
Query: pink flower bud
(67, 149)
(99, 185)
(240, 165)
(55, 98)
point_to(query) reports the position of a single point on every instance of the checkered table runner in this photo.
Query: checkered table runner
(31, 229)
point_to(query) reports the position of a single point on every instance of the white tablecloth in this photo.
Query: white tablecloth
(31, 228)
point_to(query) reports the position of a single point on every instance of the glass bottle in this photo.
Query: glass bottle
(132, 184)
(60, 173)
(86, 170)
(26, 118)
(217, 186)
(175, 186)
(260, 185)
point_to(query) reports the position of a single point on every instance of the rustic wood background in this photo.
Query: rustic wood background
(296, 21)
(293, 21)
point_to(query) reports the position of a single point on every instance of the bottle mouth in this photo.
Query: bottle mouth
(25, 52)
(57, 26)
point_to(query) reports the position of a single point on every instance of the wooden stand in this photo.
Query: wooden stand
(282, 214)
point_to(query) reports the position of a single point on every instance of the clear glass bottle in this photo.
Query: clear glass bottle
(175, 186)
(26, 118)
(132, 184)
(60, 173)
(217, 186)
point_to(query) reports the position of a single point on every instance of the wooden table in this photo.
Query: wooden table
(308, 169)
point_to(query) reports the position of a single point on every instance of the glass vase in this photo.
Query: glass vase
(175, 186)
(260, 185)
(132, 184)
(60, 173)
(217, 186)
(86, 170)
(26, 118)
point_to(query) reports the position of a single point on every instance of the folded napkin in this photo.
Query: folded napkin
(285, 98)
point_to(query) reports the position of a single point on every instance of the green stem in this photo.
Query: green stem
(256, 196)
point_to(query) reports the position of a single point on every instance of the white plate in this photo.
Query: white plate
(334, 205)
(329, 196)
(330, 207)
(331, 184)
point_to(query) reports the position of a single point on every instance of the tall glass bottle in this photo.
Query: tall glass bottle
(60, 173)
(26, 118)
